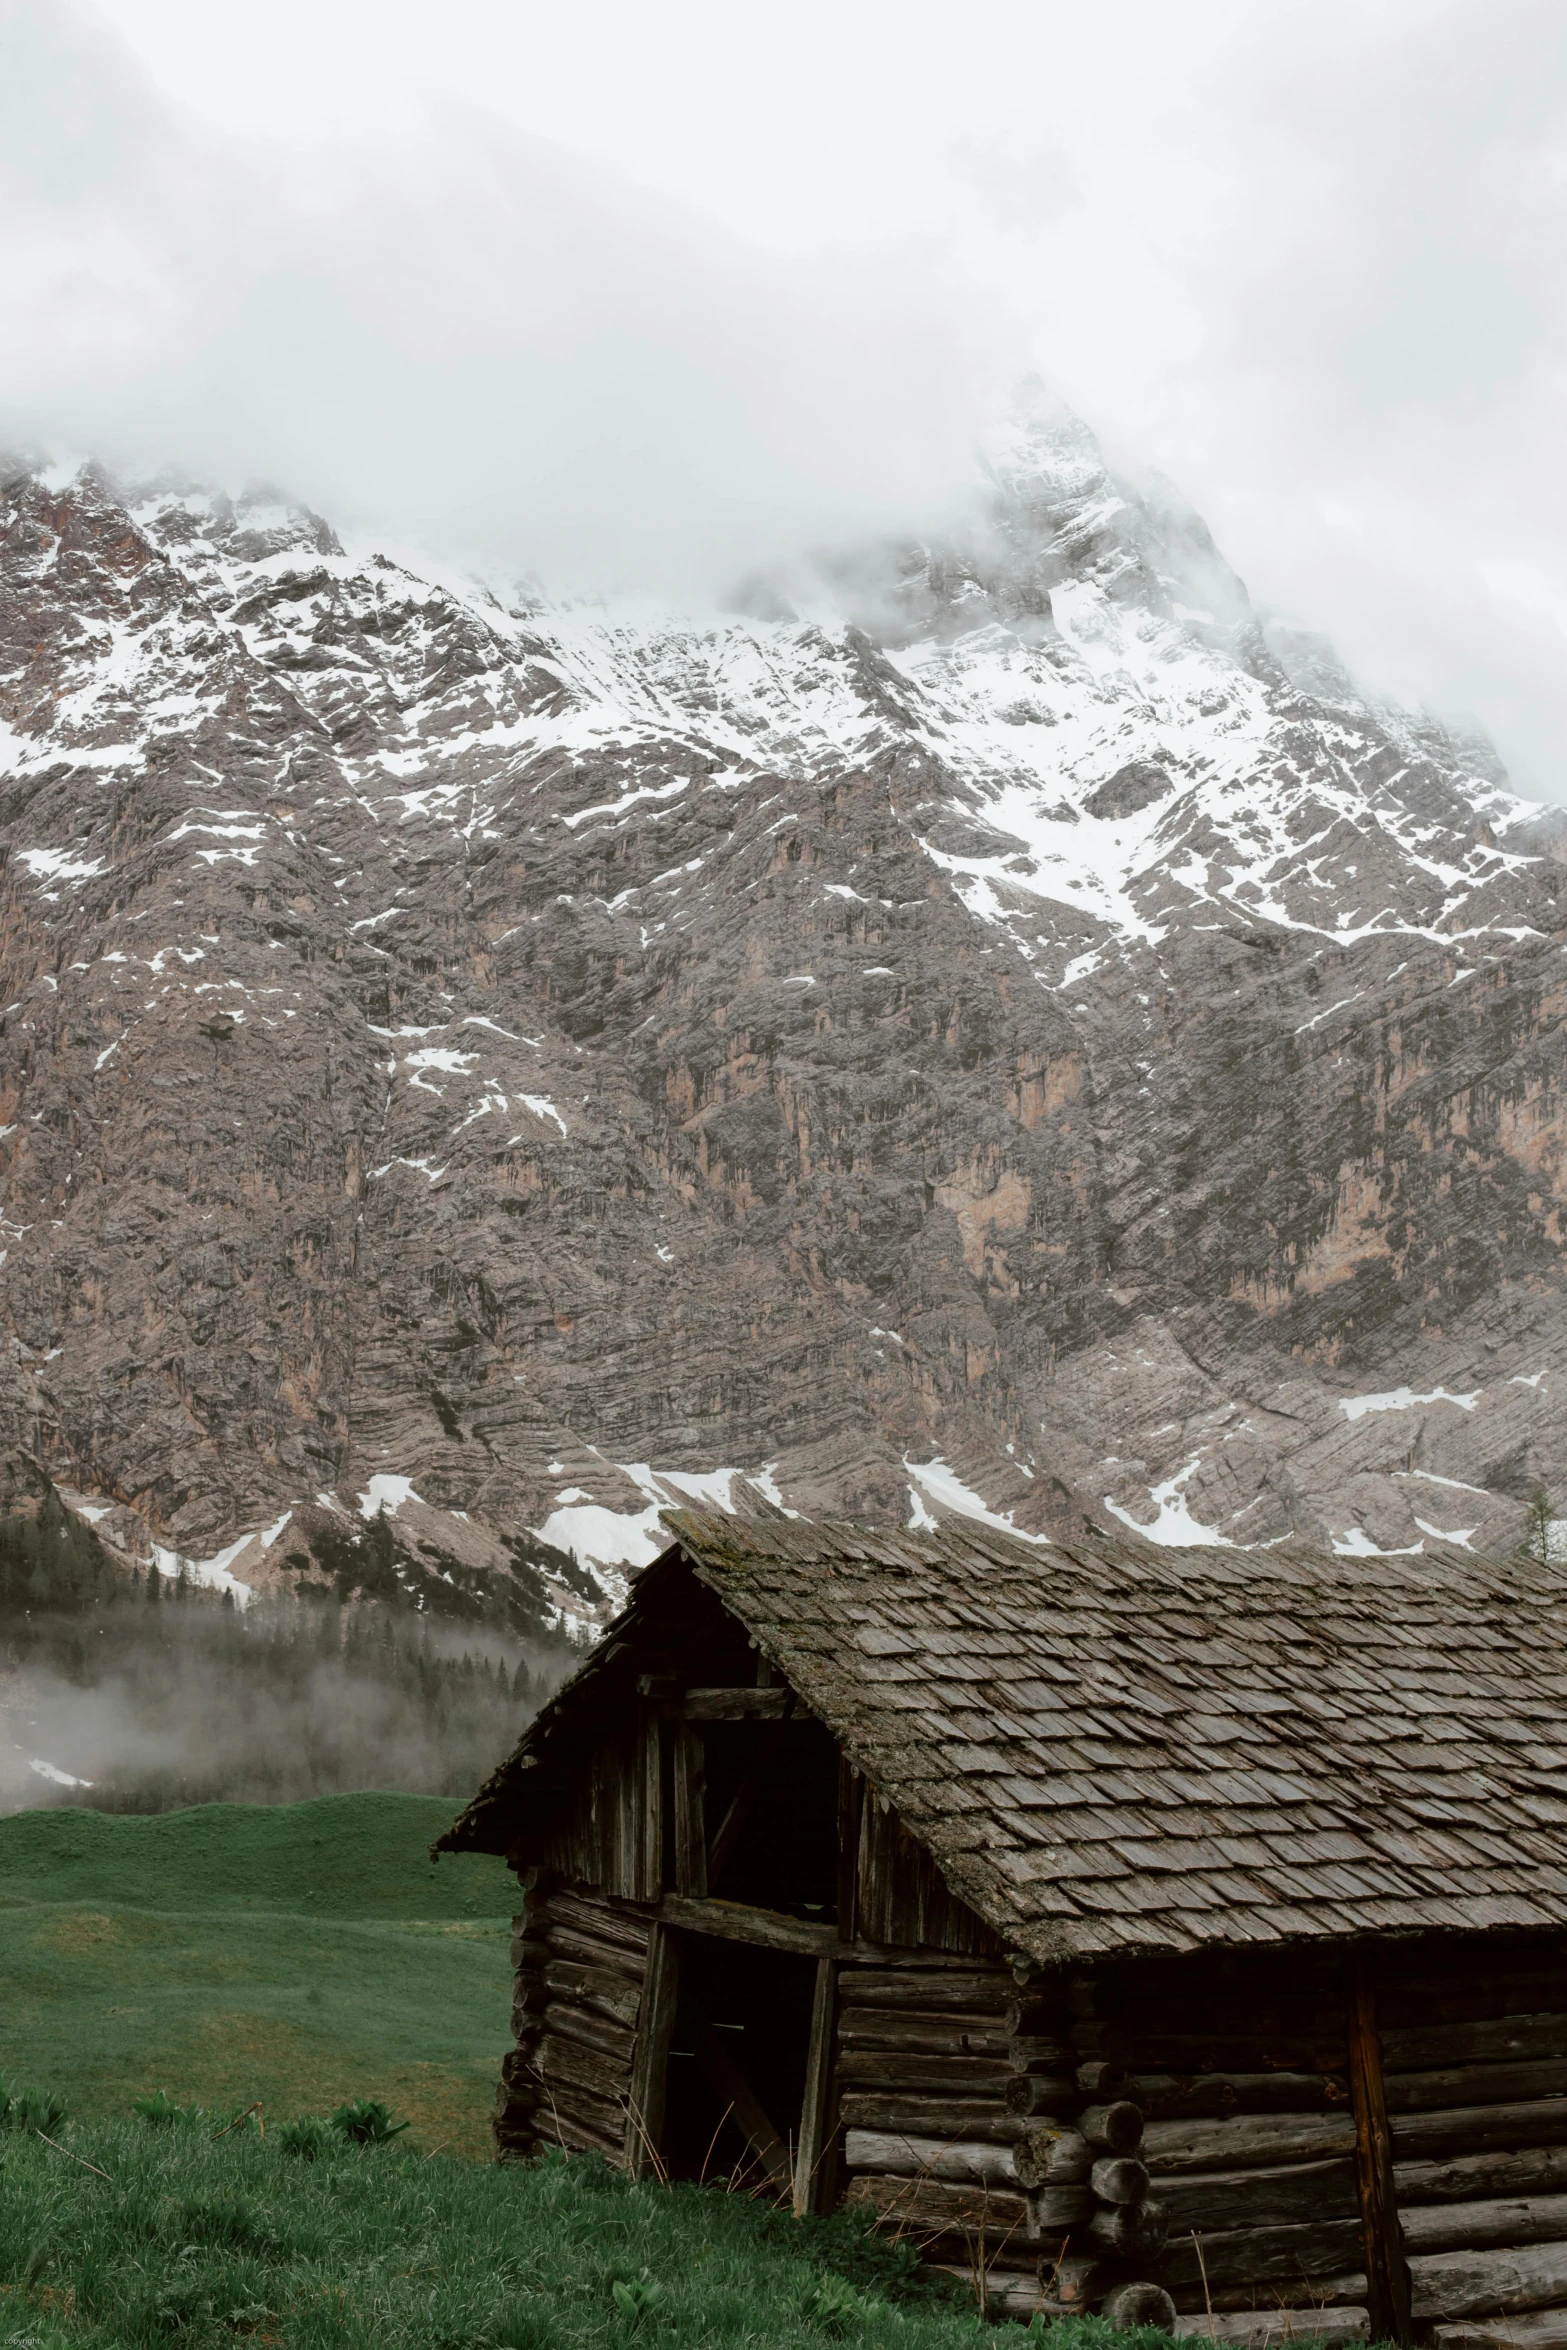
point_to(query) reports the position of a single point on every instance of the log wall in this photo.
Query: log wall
(1474, 2054)
(577, 1994)
(1264, 2086)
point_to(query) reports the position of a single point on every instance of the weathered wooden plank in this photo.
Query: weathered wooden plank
(556, 2058)
(590, 2030)
(1271, 2329)
(1170, 2097)
(1256, 2256)
(1034, 2052)
(1476, 2084)
(1008, 2292)
(930, 1991)
(902, 1897)
(1339, 2292)
(931, 2117)
(897, 2068)
(1242, 2140)
(851, 1796)
(737, 1705)
(580, 1949)
(955, 2034)
(934, 2212)
(1387, 2277)
(1491, 2039)
(725, 2075)
(650, 2065)
(813, 2152)
(572, 2118)
(1474, 2178)
(1470, 2129)
(970, 2162)
(601, 1989)
(1536, 2329)
(649, 1827)
(1509, 2219)
(620, 1928)
(734, 1921)
(1218, 2201)
(1486, 2284)
(690, 1823)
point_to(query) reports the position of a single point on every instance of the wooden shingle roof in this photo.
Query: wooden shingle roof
(1109, 1746)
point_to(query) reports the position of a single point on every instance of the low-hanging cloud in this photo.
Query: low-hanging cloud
(617, 295)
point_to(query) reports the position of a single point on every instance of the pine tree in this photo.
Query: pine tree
(1536, 1543)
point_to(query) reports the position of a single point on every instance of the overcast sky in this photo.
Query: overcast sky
(629, 292)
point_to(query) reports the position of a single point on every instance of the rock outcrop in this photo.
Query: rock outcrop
(1013, 1033)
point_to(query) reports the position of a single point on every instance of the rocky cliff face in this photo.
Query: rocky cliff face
(1005, 1030)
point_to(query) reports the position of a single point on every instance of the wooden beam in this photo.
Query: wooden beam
(690, 1870)
(729, 1829)
(812, 2160)
(650, 2064)
(722, 2068)
(736, 1705)
(1387, 2271)
(733, 1921)
(772, 1929)
(851, 1795)
(650, 1827)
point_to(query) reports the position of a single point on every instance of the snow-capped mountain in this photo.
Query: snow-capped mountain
(990, 1027)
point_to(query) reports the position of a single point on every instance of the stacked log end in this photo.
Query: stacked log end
(579, 1968)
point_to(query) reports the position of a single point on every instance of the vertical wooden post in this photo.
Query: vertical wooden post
(816, 2109)
(1387, 2271)
(650, 2062)
(649, 1826)
(851, 1795)
(690, 1809)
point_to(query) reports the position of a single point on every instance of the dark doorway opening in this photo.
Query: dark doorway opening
(737, 2058)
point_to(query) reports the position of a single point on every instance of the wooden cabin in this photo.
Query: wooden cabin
(1180, 1934)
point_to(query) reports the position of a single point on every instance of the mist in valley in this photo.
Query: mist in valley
(142, 1692)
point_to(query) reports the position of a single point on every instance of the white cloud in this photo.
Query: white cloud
(621, 292)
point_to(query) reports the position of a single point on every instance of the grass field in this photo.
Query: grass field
(197, 2242)
(308, 1955)
(303, 1954)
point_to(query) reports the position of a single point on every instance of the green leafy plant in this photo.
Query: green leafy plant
(366, 2122)
(834, 2304)
(308, 2138)
(31, 2109)
(160, 2109)
(637, 2296)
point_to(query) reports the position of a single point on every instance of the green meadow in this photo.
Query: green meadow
(298, 1954)
(303, 1957)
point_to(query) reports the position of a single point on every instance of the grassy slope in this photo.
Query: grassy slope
(201, 2242)
(301, 1953)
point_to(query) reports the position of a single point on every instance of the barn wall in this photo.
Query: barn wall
(902, 1896)
(1240, 2069)
(580, 1969)
(608, 1834)
(1474, 2052)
